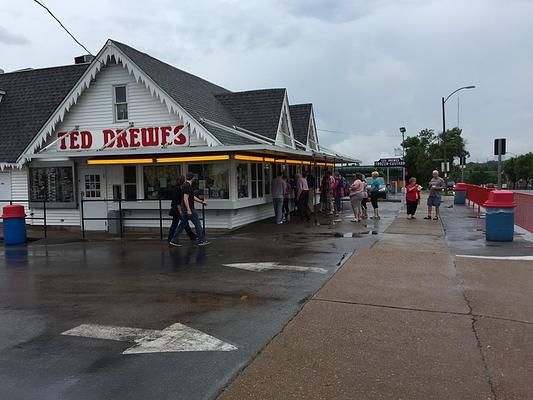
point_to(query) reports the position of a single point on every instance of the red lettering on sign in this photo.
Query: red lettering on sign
(134, 137)
(63, 141)
(165, 133)
(181, 138)
(108, 136)
(86, 139)
(150, 136)
(73, 140)
(122, 140)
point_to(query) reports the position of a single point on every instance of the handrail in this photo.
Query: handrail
(120, 217)
(523, 216)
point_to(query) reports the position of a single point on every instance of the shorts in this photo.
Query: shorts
(434, 201)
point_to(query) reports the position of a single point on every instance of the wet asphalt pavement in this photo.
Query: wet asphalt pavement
(48, 289)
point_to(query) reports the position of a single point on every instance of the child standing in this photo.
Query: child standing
(412, 198)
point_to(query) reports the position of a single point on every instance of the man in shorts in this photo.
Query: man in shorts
(436, 186)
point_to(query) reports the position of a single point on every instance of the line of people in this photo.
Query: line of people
(360, 193)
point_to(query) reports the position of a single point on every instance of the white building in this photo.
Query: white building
(122, 126)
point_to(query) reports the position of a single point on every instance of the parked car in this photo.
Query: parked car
(450, 184)
(382, 187)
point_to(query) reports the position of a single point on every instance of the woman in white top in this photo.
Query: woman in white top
(356, 196)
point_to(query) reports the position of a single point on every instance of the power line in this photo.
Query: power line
(63, 26)
(353, 134)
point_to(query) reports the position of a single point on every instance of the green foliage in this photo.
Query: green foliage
(424, 152)
(519, 168)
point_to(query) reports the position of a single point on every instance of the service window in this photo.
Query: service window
(267, 172)
(257, 180)
(212, 180)
(243, 181)
(54, 185)
(130, 182)
(120, 103)
(160, 181)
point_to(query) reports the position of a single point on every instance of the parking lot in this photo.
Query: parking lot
(219, 304)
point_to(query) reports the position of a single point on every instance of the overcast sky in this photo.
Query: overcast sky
(368, 66)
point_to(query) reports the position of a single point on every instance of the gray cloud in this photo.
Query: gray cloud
(9, 38)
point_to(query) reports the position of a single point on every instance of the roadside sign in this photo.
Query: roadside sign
(499, 147)
(389, 162)
(445, 167)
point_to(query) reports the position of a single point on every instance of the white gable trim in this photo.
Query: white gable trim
(312, 136)
(103, 57)
(280, 135)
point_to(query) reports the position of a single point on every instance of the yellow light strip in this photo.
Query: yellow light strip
(121, 161)
(294, 161)
(192, 158)
(268, 159)
(248, 158)
(306, 162)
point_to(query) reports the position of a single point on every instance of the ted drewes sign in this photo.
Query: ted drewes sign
(154, 136)
(389, 162)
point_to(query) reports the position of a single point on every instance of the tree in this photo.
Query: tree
(424, 152)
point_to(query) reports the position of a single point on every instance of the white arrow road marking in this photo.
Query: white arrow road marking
(263, 266)
(175, 338)
(510, 258)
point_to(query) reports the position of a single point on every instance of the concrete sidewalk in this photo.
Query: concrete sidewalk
(405, 320)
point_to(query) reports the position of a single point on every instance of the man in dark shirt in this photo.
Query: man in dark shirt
(188, 212)
(177, 199)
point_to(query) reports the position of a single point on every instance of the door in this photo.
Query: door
(92, 188)
(5, 189)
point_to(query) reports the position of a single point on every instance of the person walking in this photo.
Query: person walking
(302, 197)
(436, 186)
(188, 212)
(412, 198)
(356, 196)
(278, 193)
(177, 198)
(374, 194)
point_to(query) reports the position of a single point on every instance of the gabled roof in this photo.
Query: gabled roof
(31, 97)
(301, 117)
(194, 94)
(256, 110)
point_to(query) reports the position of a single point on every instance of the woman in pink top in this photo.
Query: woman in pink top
(356, 196)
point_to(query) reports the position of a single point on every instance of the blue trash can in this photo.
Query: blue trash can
(499, 218)
(460, 194)
(14, 225)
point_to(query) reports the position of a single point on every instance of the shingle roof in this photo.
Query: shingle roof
(256, 110)
(194, 94)
(300, 117)
(31, 97)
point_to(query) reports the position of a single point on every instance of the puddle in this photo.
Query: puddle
(354, 234)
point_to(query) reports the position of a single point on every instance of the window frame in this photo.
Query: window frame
(115, 103)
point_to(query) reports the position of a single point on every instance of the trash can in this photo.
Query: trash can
(499, 218)
(113, 222)
(460, 194)
(14, 224)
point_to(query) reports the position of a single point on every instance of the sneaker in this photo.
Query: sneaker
(175, 244)
(204, 243)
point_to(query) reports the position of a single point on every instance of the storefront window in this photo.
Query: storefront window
(242, 181)
(213, 180)
(160, 181)
(268, 177)
(257, 180)
(53, 184)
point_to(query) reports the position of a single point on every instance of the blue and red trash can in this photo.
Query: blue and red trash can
(499, 218)
(14, 225)
(460, 193)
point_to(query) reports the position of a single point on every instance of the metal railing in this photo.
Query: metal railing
(122, 218)
(477, 195)
(83, 218)
(523, 216)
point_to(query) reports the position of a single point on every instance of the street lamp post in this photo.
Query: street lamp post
(444, 100)
(402, 131)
